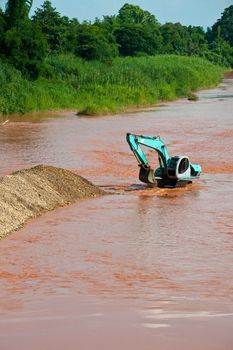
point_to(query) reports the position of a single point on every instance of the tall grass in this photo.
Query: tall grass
(95, 88)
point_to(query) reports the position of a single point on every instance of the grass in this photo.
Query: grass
(97, 88)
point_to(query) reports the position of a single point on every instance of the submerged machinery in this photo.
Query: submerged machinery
(172, 172)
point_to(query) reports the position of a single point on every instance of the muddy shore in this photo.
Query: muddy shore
(31, 192)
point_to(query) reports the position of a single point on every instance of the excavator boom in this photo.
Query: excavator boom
(153, 142)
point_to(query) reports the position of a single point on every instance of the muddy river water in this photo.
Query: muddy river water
(141, 268)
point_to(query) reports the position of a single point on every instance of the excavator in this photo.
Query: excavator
(176, 171)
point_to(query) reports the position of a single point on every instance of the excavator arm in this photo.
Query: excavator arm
(154, 142)
(146, 174)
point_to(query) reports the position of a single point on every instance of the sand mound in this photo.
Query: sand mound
(29, 193)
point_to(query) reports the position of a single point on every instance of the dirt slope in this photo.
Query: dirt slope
(29, 193)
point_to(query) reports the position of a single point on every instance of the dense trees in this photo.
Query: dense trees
(223, 28)
(17, 11)
(25, 48)
(53, 26)
(135, 40)
(24, 41)
(220, 39)
(175, 38)
(2, 29)
(95, 43)
(198, 44)
(137, 31)
(132, 14)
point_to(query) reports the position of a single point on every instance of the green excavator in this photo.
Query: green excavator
(172, 172)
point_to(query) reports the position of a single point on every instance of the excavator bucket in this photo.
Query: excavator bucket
(146, 174)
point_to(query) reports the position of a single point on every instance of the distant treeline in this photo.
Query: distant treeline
(26, 42)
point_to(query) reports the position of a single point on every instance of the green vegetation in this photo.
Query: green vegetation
(49, 61)
(192, 97)
(95, 87)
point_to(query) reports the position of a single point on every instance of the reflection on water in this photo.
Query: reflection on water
(150, 266)
(222, 92)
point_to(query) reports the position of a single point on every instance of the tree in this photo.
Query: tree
(220, 52)
(69, 42)
(136, 31)
(131, 14)
(94, 43)
(198, 44)
(175, 38)
(220, 39)
(224, 26)
(109, 23)
(22, 43)
(25, 48)
(53, 26)
(16, 11)
(2, 30)
(134, 39)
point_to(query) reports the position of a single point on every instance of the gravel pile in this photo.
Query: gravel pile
(31, 192)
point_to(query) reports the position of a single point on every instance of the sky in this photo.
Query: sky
(188, 12)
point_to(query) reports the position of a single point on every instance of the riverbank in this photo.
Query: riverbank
(93, 88)
(29, 193)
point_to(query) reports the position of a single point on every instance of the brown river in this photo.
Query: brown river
(142, 268)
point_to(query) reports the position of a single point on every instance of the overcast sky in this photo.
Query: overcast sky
(188, 12)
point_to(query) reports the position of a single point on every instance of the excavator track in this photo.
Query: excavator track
(167, 183)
